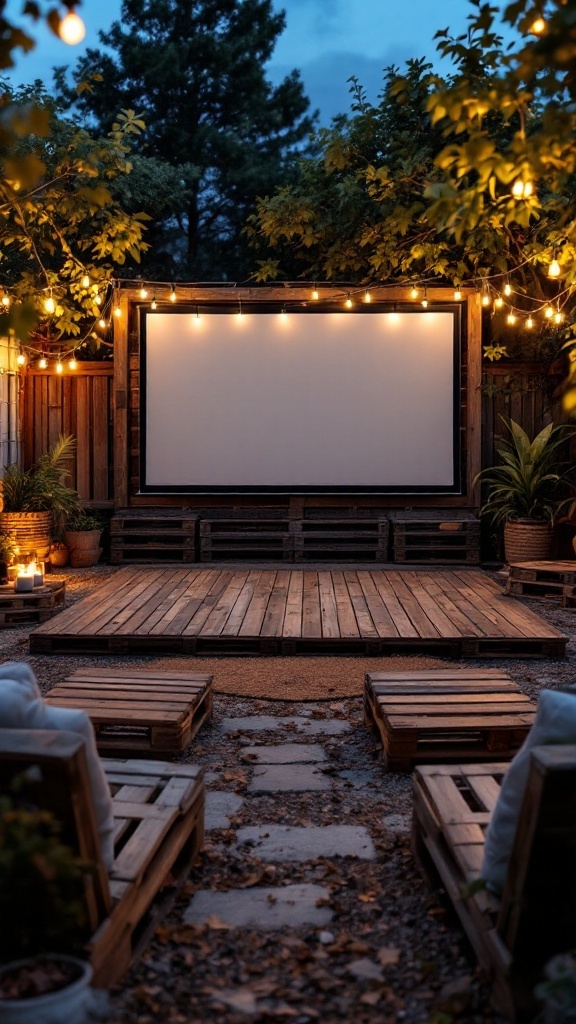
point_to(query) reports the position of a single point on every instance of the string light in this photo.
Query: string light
(153, 304)
(42, 363)
(498, 302)
(548, 312)
(367, 296)
(538, 26)
(86, 281)
(510, 319)
(530, 322)
(554, 268)
(414, 293)
(117, 311)
(72, 364)
(348, 302)
(507, 288)
(522, 189)
(486, 297)
(59, 368)
(314, 294)
(283, 313)
(49, 304)
(98, 299)
(558, 317)
(143, 293)
(72, 29)
(425, 300)
(102, 322)
(21, 359)
(173, 294)
(240, 314)
(5, 299)
(457, 295)
(197, 318)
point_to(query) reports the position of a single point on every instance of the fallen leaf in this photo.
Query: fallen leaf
(216, 924)
(388, 956)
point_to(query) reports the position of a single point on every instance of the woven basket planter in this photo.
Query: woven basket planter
(31, 531)
(83, 546)
(527, 540)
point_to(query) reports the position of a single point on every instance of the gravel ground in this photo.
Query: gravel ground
(393, 952)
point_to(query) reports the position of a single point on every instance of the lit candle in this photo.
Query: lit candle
(23, 583)
(38, 579)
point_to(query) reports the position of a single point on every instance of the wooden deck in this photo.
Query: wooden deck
(170, 609)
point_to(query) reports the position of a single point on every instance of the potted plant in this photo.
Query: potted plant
(36, 501)
(8, 548)
(525, 489)
(82, 538)
(43, 976)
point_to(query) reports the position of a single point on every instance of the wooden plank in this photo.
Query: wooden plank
(346, 618)
(311, 615)
(272, 624)
(178, 588)
(189, 595)
(209, 601)
(379, 613)
(411, 606)
(293, 615)
(100, 424)
(366, 626)
(254, 617)
(241, 605)
(83, 439)
(328, 607)
(218, 617)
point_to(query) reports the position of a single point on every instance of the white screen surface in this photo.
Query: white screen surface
(315, 400)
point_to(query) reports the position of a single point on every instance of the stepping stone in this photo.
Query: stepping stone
(287, 778)
(269, 908)
(220, 807)
(285, 753)
(307, 726)
(300, 843)
(323, 726)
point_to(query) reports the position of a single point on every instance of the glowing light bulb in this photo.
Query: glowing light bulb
(538, 26)
(143, 293)
(72, 29)
(98, 299)
(348, 303)
(367, 297)
(59, 368)
(414, 293)
(21, 359)
(5, 300)
(102, 322)
(507, 288)
(530, 322)
(86, 281)
(424, 302)
(457, 295)
(314, 294)
(548, 312)
(173, 294)
(153, 304)
(558, 317)
(283, 314)
(522, 189)
(49, 304)
(498, 302)
(117, 311)
(554, 269)
(72, 364)
(485, 299)
(42, 363)
(197, 318)
(510, 319)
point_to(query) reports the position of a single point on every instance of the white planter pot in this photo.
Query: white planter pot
(69, 1005)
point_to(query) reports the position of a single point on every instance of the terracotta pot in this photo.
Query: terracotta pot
(527, 540)
(59, 555)
(31, 530)
(83, 546)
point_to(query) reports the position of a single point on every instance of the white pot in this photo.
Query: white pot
(68, 1005)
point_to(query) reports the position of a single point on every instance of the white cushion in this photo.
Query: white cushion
(555, 723)
(22, 707)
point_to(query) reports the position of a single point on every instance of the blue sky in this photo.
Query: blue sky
(328, 40)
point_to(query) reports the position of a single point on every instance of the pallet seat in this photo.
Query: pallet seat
(158, 832)
(515, 934)
(446, 715)
(138, 711)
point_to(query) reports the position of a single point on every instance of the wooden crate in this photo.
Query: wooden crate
(151, 712)
(340, 539)
(153, 535)
(255, 539)
(446, 715)
(515, 934)
(37, 605)
(544, 579)
(445, 536)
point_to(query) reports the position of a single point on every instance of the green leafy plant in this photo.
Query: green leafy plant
(527, 482)
(8, 546)
(81, 521)
(42, 488)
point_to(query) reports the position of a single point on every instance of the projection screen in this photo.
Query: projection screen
(321, 402)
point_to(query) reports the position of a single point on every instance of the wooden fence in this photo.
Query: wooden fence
(78, 402)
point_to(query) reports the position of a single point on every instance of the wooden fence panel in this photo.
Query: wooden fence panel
(522, 391)
(78, 402)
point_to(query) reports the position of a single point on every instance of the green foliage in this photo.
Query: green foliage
(81, 520)
(41, 488)
(8, 546)
(526, 484)
(41, 903)
(558, 989)
(196, 71)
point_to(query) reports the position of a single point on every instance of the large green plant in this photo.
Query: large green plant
(527, 482)
(42, 488)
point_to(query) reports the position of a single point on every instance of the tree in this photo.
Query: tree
(195, 72)
(62, 233)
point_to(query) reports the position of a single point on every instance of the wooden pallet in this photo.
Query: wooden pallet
(35, 606)
(154, 713)
(447, 715)
(514, 935)
(340, 539)
(243, 538)
(153, 535)
(544, 579)
(421, 536)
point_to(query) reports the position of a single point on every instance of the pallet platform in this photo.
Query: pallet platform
(200, 610)
(544, 579)
(421, 536)
(446, 715)
(34, 606)
(153, 535)
(153, 713)
(243, 538)
(340, 539)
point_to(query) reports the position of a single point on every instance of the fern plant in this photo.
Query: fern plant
(42, 488)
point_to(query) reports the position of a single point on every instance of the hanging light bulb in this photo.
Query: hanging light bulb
(485, 298)
(72, 29)
(153, 304)
(510, 319)
(367, 296)
(507, 288)
(314, 294)
(283, 313)
(414, 293)
(197, 318)
(425, 300)
(498, 302)
(554, 268)
(98, 299)
(59, 368)
(530, 322)
(117, 311)
(143, 293)
(49, 304)
(21, 359)
(538, 26)
(457, 295)
(86, 281)
(348, 302)
(548, 312)
(240, 314)
(102, 322)
(522, 189)
(558, 317)
(42, 363)
(5, 299)
(72, 364)
(173, 294)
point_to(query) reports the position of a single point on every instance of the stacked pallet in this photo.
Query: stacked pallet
(257, 534)
(544, 579)
(37, 605)
(340, 538)
(153, 535)
(427, 537)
